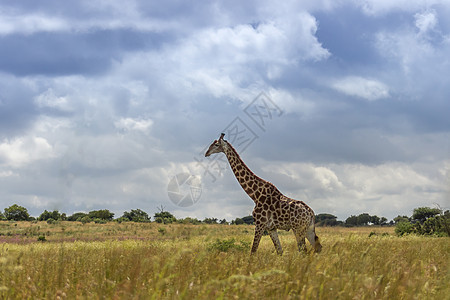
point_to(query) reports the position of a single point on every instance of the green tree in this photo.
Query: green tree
(248, 220)
(77, 216)
(136, 215)
(399, 219)
(321, 217)
(430, 226)
(363, 219)
(164, 217)
(326, 220)
(421, 214)
(17, 213)
(189, 220)
(446, 222)
(351, 221)
(375, 220)
(425, 221)
(85, 219)
(2, 216)
(210, 221)
(237, 221)
(102, 214)
(55, 215)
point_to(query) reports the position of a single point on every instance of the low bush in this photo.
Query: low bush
(403, 228)
(229, 244)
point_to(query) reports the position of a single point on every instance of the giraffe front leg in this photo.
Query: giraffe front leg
(258, 234)
(276, 241)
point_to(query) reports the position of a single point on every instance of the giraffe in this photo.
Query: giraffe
(273, 210)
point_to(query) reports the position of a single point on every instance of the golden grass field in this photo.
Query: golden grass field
(154, 261)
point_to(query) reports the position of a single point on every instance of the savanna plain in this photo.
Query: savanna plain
(71, 260)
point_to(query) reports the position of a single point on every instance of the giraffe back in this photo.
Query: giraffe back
(273, 210)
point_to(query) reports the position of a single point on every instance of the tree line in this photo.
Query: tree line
(19, 213)
(363, 219)
(424, 220)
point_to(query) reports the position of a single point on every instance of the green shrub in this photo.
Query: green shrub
(226, 245)
(434, 225)
(100, 221)
(121, 219)
(76, 216)
(403, 228)
(103, 214)
(46, 215)
(85, 219)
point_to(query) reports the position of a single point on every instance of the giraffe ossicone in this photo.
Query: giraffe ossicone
(273, 210)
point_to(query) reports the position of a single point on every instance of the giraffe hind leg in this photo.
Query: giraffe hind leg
(276, 241)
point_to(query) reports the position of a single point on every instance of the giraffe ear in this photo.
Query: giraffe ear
(221, 136)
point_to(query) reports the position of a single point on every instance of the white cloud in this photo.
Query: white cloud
(50, 100)
(28, 24)
(420, 51)
(22, 151)
(344, 189)
(115, 15)
(134, 124)
(368, 89)
(426, 21)
(378, 7)
(293, 101)
(8, 173)
(228, 61)
(285, 40)
(47, 125)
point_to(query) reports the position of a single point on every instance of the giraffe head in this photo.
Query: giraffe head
(216, 146)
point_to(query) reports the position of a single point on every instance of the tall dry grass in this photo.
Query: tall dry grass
(205, 262)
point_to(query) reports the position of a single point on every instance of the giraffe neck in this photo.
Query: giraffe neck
(246, 178)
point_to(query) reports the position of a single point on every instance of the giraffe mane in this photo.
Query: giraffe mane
(238, 156)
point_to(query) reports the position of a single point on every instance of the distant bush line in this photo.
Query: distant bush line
(424, 220)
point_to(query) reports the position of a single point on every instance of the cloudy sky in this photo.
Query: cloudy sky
(342, 104)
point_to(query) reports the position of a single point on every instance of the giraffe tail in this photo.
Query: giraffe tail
(313, 238)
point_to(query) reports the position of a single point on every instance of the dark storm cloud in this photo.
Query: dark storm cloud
(348, 130)
(17, 111)
(62, 53)
(349, 38)
(51, 6)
